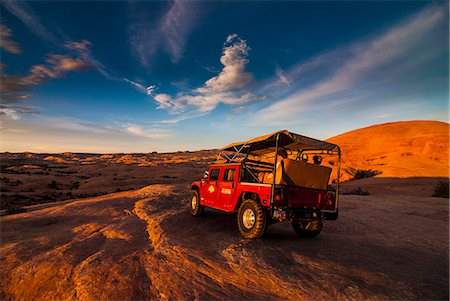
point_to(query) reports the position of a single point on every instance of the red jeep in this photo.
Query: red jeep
(269, 179)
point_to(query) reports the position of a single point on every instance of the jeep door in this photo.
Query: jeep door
(227, 189)
(211, 187)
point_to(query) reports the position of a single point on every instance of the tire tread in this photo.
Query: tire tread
(260, 224)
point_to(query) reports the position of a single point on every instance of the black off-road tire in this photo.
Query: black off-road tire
(308, 229)
(248, 228)
(196, 207)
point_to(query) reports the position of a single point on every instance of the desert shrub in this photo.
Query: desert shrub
(362, 173)
(53, 185)
(441, 190)
(356, 191)
(75, 185)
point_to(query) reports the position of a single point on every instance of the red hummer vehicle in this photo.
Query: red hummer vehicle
(269, 179)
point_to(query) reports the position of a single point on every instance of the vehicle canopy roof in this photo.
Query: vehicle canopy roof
(265, 145)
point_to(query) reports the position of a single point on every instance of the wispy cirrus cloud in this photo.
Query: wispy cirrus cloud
(82, 48)
(168, 35)
(363, 62)
(153, 133)
(56, 67)
(227, 87)
(140, 87)
(17, 88)
(15, 112)
(6, 42)
(75, 124)
(71, 125)
(28, 17)
(176, 25)
(282, 76)
(58, 134)
(183, 117)
(9, 113)
(14, 89)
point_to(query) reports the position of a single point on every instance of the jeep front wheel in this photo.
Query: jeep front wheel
(196, 207)
(251, 219)
(308, 229)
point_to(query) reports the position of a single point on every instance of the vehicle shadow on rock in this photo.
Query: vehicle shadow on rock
(333, 260)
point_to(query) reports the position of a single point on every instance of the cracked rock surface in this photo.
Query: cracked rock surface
(143, 244)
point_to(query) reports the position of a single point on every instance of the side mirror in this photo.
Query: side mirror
(206, 174)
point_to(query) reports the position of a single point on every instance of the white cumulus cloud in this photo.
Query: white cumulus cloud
(151, 89)
(234, 59)
(227, 87)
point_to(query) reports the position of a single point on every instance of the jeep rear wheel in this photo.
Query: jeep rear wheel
(251, 219)
(308, 229)
(196, 207)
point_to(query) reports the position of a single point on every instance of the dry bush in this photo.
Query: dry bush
(356, 191)
(362, 173)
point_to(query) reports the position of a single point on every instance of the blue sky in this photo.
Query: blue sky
(139, 76)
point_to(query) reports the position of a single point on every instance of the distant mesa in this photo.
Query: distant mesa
(397, 149)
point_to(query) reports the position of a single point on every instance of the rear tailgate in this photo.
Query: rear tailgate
(304, 198)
